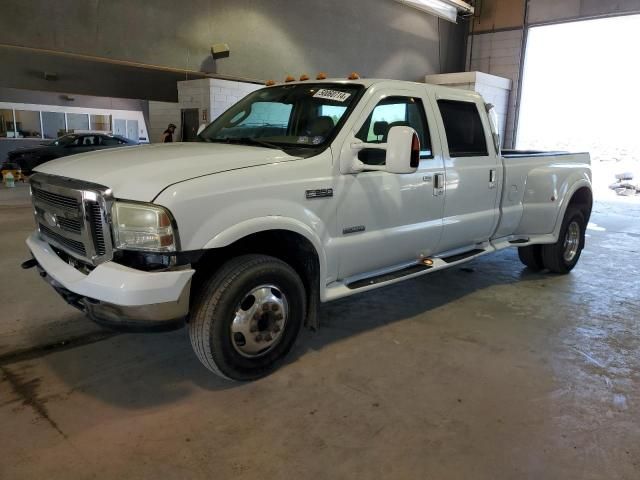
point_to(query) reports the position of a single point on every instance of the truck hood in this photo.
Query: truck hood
(141, 172)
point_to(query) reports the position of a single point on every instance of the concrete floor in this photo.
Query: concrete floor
(31, 313)
(483, 372)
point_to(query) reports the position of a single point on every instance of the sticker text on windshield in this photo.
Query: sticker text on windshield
(335, 95)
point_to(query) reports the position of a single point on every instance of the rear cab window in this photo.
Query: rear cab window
(463, 128)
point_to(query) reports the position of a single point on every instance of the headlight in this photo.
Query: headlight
(142, 226)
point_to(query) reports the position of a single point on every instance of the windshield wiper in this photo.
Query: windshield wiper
(245, 141)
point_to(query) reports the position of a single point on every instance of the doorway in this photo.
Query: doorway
(578, 94)
(190, 122)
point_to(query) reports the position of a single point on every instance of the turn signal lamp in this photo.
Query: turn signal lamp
(289, 79)
(415, 151)
(353, 76)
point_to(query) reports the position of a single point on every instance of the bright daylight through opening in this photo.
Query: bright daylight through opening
(579, 94)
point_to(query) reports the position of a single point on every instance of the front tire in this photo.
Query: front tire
(247, 317)
(562, 256)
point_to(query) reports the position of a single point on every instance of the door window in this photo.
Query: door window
(393, 112)
(110, 141)
(463, 127)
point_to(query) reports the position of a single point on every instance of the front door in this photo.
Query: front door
(386, 219)
(472, 169)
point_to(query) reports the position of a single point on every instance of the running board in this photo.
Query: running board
(385, 277)
(463, 255)
(345, 288)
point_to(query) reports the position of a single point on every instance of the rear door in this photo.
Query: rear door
(472, 171)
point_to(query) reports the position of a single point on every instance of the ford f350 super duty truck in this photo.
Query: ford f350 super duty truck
(300, 193)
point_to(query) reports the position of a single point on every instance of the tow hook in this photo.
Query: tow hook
(32, 262)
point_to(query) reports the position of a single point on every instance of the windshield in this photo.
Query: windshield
(286, 116)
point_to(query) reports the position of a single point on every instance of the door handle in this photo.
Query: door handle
(438, 184)
(492, 178)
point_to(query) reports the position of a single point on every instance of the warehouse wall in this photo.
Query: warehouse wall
(268, 38)
(496, 42)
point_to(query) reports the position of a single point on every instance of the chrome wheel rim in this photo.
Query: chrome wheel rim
(571, 241)
(259, 321)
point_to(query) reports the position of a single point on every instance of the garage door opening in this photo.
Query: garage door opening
(580, 93)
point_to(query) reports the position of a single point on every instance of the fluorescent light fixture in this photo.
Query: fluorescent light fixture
(447, 9)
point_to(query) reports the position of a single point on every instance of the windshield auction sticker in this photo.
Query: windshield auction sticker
(334, 95)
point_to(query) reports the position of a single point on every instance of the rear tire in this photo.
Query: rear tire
(247, 316)
(531, 256)
(562, 256)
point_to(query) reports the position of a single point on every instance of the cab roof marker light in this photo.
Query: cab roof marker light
(321, 76)
(353, 76)
(289, 78)
(304, 77)
(270, 83)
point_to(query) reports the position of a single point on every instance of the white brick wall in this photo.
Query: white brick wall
(162, 114)
(212, 94)
(224, 93)
(499, 53)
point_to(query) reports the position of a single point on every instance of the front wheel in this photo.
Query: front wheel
(562, 256)
(247, 317)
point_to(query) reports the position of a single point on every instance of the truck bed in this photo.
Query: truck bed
(532, 153)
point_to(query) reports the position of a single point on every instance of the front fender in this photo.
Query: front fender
(252, 226)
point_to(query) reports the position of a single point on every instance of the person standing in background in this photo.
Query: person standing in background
(167, 135)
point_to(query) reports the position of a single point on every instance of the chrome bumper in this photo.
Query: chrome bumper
(116, 296)
(140, 318)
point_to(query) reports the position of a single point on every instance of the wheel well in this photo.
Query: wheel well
(290, 247)
(583, 200)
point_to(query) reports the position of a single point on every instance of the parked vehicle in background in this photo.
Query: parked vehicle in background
(29, 158)
(298, 194)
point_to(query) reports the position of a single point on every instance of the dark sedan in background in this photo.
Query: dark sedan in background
(29, 158)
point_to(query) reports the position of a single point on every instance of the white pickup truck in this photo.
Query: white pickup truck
(300, 193)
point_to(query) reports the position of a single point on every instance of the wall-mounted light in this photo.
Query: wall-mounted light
(220, 50)
(447, 9)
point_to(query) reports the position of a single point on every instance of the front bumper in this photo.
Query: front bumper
(117, 296)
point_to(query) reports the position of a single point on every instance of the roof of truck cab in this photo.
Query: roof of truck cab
(367, 82)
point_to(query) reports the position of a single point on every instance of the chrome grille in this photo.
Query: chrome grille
(55, 199)
(76, 246)
(95, 216)
(73, 216)
(70, 224)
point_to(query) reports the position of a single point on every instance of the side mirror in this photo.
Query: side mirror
(402, 152)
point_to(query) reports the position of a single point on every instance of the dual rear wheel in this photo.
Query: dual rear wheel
(562, 256)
